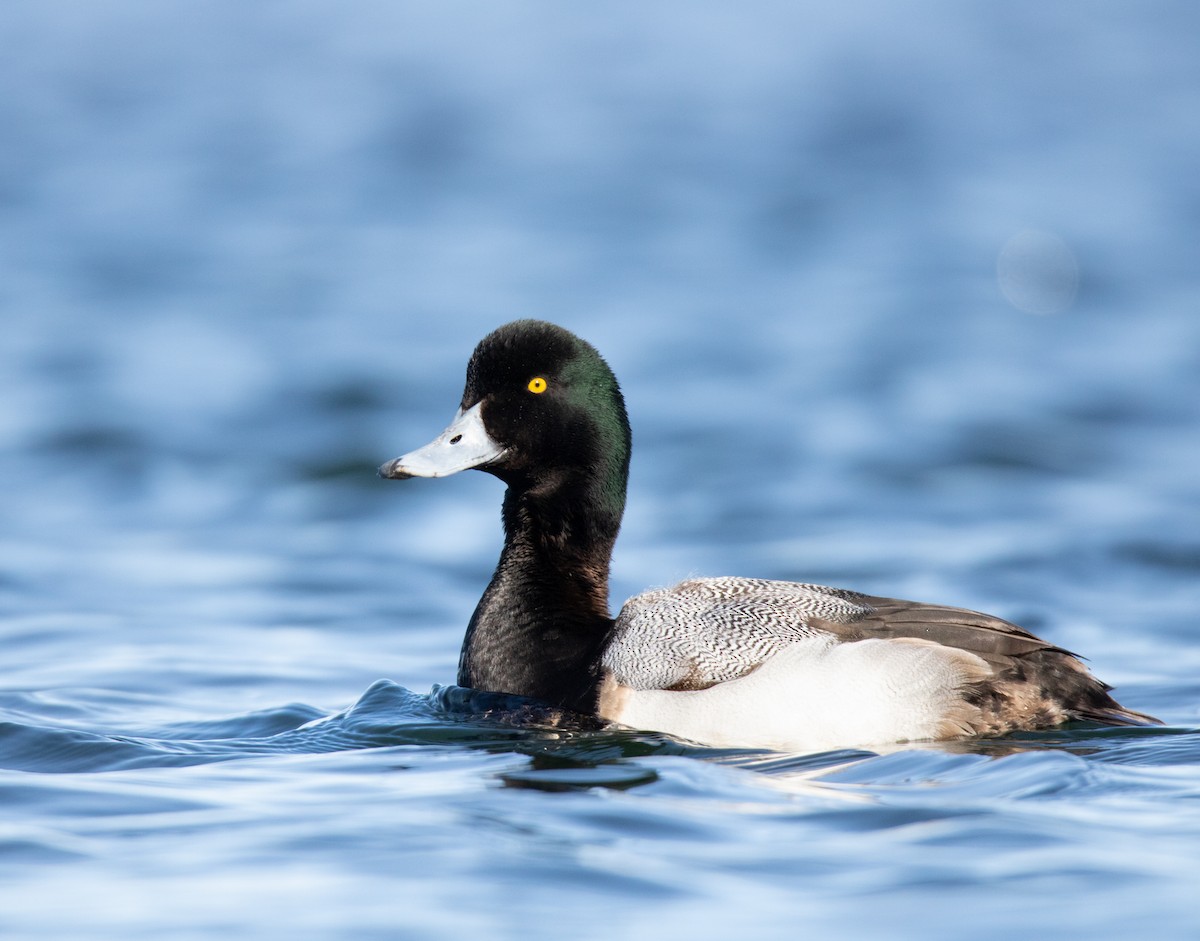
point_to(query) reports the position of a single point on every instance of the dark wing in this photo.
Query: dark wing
(992, 638)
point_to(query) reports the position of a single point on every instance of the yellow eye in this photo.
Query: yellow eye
(537, 385)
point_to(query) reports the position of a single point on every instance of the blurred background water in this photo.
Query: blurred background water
(902, 298)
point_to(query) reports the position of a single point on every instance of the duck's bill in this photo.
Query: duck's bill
(463, 445)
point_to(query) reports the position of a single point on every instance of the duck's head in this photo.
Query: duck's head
(541, 410)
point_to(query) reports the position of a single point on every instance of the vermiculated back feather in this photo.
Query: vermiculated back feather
(706, 631)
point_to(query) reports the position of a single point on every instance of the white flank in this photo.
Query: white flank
(818, 695)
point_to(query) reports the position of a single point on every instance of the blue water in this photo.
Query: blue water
(905, 299)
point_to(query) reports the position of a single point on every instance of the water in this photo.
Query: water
(902, 299)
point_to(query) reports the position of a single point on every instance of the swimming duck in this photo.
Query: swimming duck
(721, 661)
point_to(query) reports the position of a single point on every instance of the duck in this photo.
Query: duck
(719, 661)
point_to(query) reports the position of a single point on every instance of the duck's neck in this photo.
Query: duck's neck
(540, 627)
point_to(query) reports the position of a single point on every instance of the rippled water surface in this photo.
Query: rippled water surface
(902, 299)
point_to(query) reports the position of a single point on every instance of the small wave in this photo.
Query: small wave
(386, 715)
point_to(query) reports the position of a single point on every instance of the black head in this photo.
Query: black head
(542, 411)
(550, 400)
